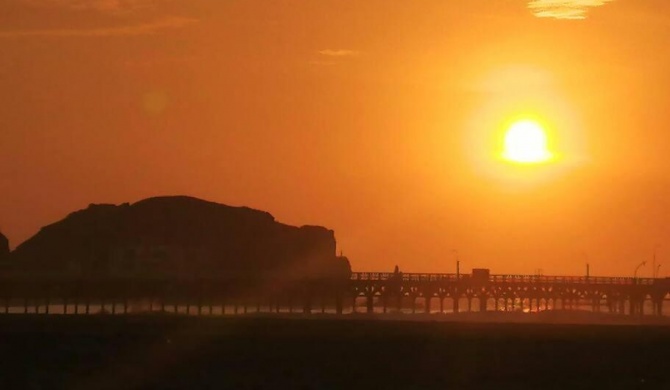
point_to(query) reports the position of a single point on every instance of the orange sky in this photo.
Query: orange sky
(371, 117)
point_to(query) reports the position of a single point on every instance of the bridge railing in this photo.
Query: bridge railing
(406, 277)
(570, 279)
(503, 278)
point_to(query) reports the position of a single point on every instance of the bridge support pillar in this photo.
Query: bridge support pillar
(307, 305)
(427, 308)
(338, 303)
(370, 303)
(456, 299)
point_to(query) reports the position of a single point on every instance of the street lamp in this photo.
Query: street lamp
(637, 268)
(654, 268)
(458, 263)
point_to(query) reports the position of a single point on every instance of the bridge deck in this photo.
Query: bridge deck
(506, 278)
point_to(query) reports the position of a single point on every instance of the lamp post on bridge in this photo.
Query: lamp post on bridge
(654, 269)
(458, 264)
(637, 268)
(588, 267)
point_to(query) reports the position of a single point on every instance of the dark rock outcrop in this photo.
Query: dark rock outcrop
(179, 236)
(4, 248)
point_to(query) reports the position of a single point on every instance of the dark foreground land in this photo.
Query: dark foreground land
(167, 352)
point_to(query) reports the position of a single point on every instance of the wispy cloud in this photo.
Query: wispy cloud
(106, 6)
(338, 53)
(152, 27)
(564, 9)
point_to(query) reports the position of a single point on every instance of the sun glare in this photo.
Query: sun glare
(526, 142)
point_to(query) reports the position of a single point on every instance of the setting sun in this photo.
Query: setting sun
(526, 142)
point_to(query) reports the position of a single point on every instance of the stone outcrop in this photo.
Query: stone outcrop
(179, 236)
(4, 248)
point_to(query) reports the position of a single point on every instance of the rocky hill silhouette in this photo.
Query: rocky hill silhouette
(178, 236)
(4, 248)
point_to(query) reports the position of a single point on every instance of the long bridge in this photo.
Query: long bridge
(380, 292)
(622, 295)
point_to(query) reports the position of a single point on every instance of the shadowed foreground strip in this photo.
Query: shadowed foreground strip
(195, 353)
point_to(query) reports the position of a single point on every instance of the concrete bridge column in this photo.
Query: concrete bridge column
(469, 304)
(483, 299)
(307, 304)
(338, 302)
(455, 304)
(441, 305)
(427, 308)
(370, 303)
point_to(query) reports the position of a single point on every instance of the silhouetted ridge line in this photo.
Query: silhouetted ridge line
(178, 236)
(4, 248)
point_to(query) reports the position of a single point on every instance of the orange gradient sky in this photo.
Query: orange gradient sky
(378, 119)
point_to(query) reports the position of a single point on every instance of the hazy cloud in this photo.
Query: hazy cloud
(338, 53)
(107, 6)
(564, 9)
(138, 29)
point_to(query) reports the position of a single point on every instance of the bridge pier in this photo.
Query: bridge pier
(483, 299)
(455, 306)
(427, 308)
(307, 304)
(370, 303)
(338, 303)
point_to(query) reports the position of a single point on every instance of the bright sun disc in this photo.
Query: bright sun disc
(526, 142)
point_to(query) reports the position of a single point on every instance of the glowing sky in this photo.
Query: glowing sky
(377, 119)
